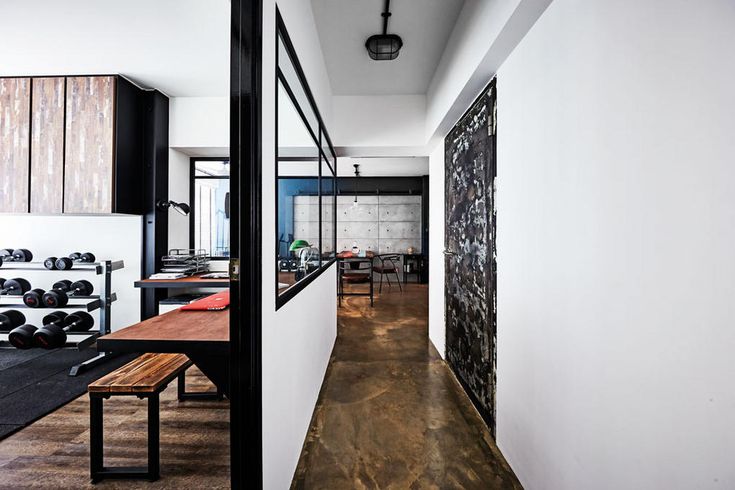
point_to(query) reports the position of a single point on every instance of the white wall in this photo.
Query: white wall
(108, 237)
(485, 34)
(200, 126)
(180, 47)
(437, 328)
(616, 231)
(298, 338)
(179, 174)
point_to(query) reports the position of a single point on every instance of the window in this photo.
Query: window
(305, 180)
(210, 200)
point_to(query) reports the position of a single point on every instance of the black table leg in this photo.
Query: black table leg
(216, 368)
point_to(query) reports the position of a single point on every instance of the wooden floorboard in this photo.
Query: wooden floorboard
(53, 452)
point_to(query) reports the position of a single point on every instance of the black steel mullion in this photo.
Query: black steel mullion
(246, 423)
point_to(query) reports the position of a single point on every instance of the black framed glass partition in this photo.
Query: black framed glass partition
(306, 167)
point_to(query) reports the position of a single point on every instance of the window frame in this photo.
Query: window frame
(192, 197)
(322, 141)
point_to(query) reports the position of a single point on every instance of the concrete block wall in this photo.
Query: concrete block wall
(382, 224)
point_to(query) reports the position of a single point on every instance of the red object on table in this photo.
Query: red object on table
(348, 254)
(216, 302)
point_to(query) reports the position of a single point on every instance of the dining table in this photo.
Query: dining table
(204, 336)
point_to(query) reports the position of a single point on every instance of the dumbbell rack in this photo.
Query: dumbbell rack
(102, 302)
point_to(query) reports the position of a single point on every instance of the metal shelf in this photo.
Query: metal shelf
(96, 267)
(89, 306)
(74, 340)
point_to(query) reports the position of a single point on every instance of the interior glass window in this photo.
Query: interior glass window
(328, 237)
(210, 217)
(305, 183)
(298, 197)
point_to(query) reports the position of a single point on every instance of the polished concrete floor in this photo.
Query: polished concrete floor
(390, 413)
(53, 452)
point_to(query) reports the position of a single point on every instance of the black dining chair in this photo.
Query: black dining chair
(385, 265)
(355, 271)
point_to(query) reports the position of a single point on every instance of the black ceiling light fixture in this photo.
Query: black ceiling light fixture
(357, 174)
(384, 47)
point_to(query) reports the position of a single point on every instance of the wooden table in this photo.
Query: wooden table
(204, 336)
(195, 281)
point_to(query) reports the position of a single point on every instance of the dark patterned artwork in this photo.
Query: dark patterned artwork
(470, 259)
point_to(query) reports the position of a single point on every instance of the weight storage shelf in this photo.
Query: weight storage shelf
(96, 267)
(74, 340)
(102, 302)
(95, 304)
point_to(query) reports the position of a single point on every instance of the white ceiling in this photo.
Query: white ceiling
(180, 47)
(345, 25)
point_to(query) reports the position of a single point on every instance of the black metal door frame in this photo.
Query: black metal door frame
(246, 424)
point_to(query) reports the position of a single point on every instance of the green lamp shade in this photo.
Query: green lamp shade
(298, 244)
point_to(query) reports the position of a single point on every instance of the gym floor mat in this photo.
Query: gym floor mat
(34, 383)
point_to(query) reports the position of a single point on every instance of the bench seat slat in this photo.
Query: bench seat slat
(146, 374)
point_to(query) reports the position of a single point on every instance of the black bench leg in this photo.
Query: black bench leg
(95, 437)
(154, 457)
(96, 447)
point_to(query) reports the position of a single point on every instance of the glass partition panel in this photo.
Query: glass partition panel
(305, 179)
(328, 237)
(293, 84)
(298, 197)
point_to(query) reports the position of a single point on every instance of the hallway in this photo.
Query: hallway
(390, 413)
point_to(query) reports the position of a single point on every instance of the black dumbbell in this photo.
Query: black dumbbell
(11, 319)
(66, 263)
(53, 335)
(22, 337)
(17, 255)
(15, 287)
(62, 290)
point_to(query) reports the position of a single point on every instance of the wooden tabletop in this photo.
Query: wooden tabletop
(195, 281)
(177, 331)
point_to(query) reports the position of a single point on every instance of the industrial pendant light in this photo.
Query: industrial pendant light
(384, 47)
(357, 174)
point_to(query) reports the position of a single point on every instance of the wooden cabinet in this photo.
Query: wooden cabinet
(15, 123)
(47, 145)
(90, 116)
(76, 144)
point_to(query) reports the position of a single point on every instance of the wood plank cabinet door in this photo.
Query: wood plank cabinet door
(89, 161)
(15, 121)
(47, 145)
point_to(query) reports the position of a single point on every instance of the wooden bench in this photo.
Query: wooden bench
(145, 377)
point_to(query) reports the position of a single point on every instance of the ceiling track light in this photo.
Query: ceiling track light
(384, 47)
